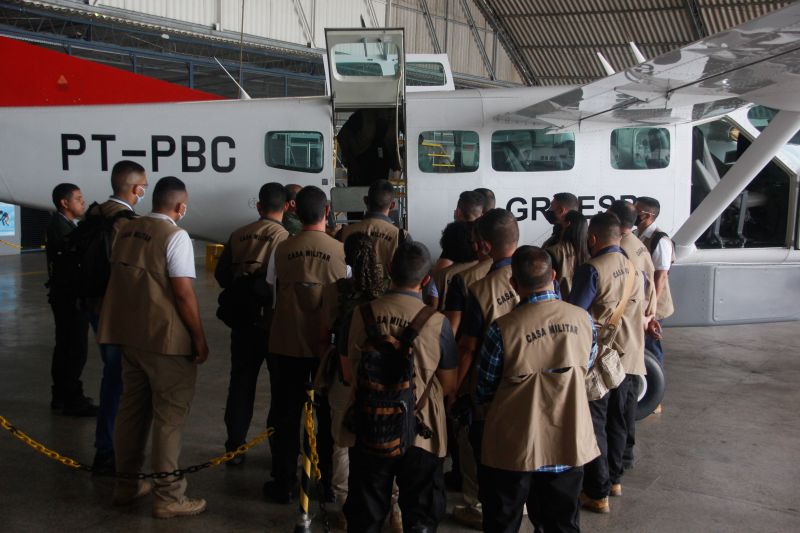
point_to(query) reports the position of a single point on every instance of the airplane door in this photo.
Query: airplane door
(366, 76)
(366, 68)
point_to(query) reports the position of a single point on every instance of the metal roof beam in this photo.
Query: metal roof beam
(478, 41)
(697, 19)
(426, 13)
(594, 46)
(594, 12)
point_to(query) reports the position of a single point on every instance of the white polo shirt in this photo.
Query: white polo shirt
(180, 254)
(662, 254)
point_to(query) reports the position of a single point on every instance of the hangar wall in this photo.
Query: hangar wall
(448, 26)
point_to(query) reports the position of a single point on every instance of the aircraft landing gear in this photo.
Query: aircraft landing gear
(651, 386)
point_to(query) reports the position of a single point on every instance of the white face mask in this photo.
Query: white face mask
(181, 215)
(141, 197)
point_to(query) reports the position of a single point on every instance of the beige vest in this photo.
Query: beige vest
(496, 298)
(640, 257)
(564, 262)
(444, 277)
(612, 268)
(540, 418)
(252, 245)
(304, 264)
(495, 295)
(665, 306)
(139, 308)
(393, 312)
(385, 235)
(476, 272)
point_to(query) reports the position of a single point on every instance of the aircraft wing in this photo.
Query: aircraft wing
(756, 62)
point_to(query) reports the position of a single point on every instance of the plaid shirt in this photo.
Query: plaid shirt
(490, 364)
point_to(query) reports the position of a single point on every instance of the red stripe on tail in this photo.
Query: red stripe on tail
(36, 76)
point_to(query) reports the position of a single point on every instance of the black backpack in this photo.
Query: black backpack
(90, 244)
(385, 413)
(245, 301)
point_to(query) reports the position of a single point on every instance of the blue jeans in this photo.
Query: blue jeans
(655, 347)
(110, 393)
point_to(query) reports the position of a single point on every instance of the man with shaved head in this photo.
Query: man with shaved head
(128, 185)
(533, 364)
(291, 221)
(151, 311)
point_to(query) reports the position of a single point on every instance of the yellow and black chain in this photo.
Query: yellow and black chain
(72, 463)
(316, 474)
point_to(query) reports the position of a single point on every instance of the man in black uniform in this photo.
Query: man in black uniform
(561, 204)
(72, 324)
(245, 308)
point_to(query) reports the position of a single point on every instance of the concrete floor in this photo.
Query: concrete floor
(722, 457)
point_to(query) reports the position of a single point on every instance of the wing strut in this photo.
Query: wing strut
(764, 148)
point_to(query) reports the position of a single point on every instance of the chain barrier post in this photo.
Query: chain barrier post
(303, 524)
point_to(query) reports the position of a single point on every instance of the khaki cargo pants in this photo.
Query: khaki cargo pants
(157, 390)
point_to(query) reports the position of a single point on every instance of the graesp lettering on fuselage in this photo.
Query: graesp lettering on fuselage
(524, 209)
(195, 153)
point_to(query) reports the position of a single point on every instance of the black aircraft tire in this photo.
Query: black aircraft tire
(655, 387)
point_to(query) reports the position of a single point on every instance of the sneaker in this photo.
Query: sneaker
(596, 506)
(657, 410)
(185, 507)
(616, 489)
(103, 464)
(145, 487)
(277, 493)
(469, 516)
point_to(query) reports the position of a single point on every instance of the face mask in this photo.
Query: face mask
(550, 216)
(638, 220)
(141, 197)
(181, 215)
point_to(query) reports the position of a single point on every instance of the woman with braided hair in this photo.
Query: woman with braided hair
(366, 282)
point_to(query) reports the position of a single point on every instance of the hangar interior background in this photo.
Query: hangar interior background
(275, 47)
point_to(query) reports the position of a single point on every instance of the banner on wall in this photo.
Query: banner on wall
(8, 223)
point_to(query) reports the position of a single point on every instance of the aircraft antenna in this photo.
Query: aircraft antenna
(242, 93)
(606, 65)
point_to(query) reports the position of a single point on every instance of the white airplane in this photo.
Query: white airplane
(673, 128)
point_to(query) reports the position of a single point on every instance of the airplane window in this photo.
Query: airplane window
(532, 151)
(294, 150)
(448, 151)
(760, 117)
(639, 148)
(425, 74)
(372, 59)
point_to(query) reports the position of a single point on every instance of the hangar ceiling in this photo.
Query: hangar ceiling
(556, 43)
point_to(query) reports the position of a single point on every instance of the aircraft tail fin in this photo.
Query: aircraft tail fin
(36, 76)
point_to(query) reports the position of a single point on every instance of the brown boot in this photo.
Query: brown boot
(596, 506)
